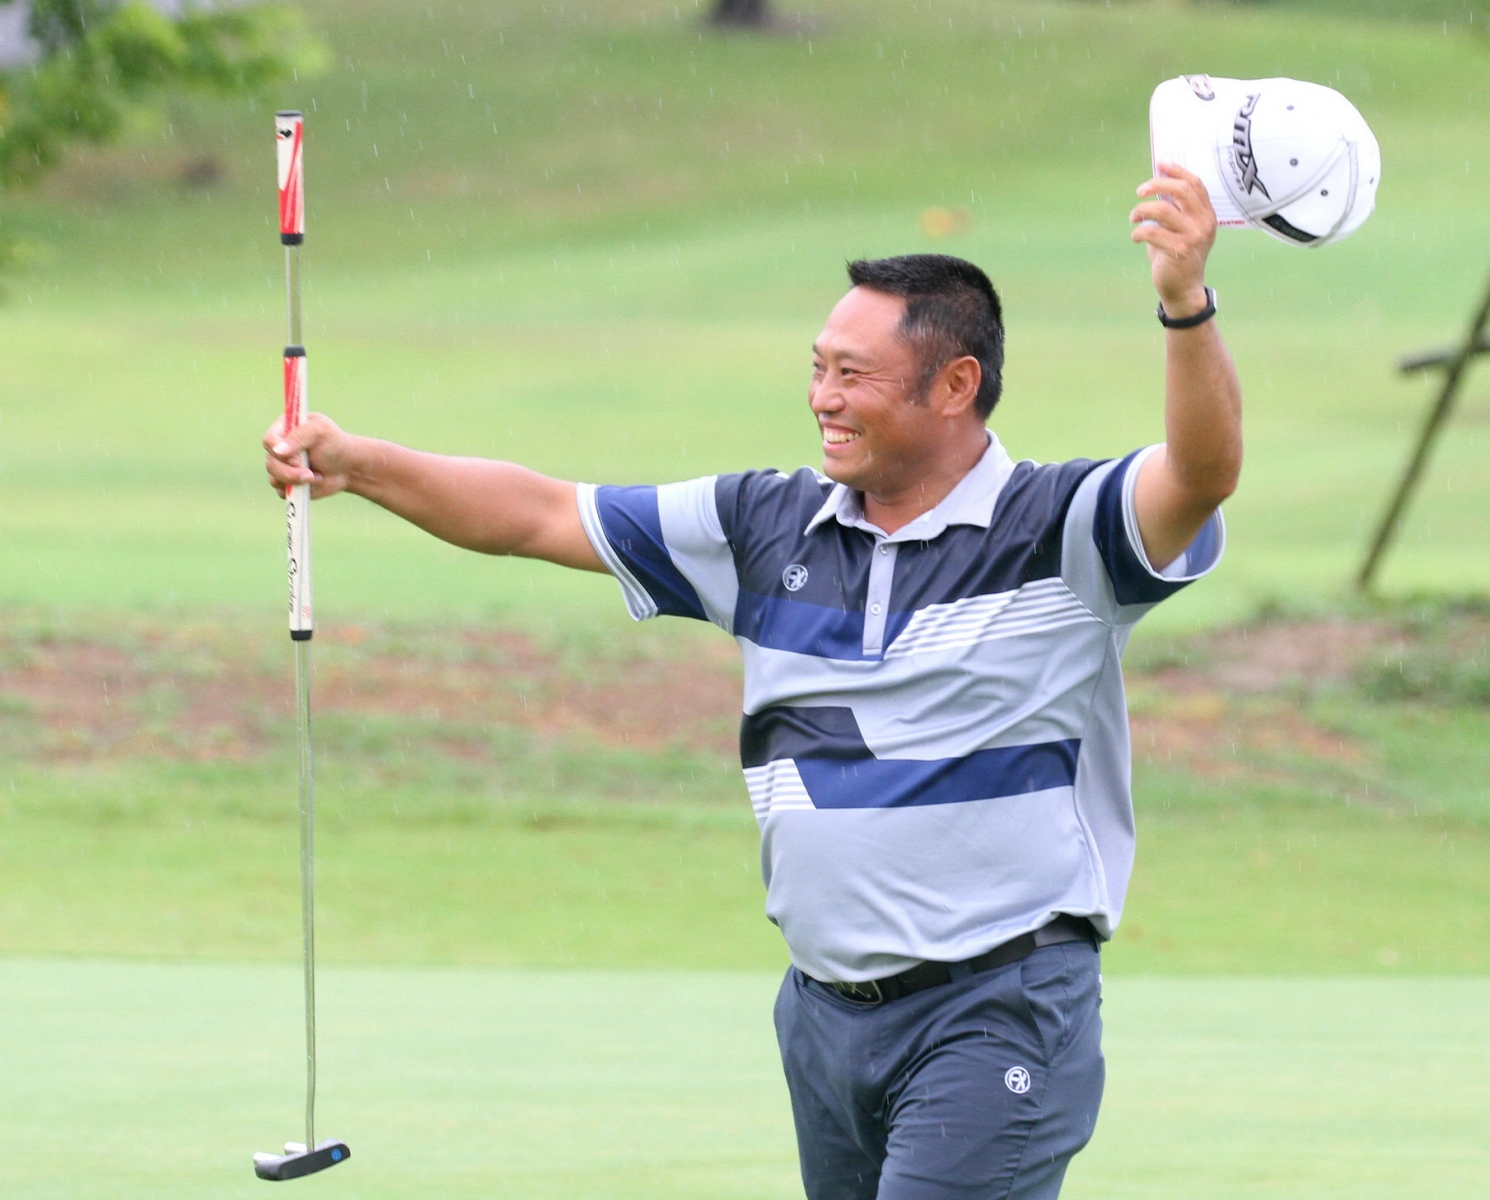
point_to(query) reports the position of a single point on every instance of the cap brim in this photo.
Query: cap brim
(1187, 130)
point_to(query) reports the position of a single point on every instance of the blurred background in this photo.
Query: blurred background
(598, 238)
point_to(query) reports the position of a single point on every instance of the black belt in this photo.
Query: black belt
(932, 974)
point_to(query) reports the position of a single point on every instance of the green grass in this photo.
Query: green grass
(547, 884)
(162, 1080)
(619, 283)
(1233, 878)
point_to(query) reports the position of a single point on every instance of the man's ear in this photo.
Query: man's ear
(957, 386)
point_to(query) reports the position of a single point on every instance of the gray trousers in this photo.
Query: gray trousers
(979, 1089)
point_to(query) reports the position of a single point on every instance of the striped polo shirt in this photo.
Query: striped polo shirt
(935, 737)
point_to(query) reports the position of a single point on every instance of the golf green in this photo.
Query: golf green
(159, 1081)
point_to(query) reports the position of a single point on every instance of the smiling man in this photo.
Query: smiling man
(935, 738)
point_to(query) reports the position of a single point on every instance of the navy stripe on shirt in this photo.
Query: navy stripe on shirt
(800, 731)
(780, 623)
(1132, 582)
(908, 783)
(634, 529)
(840, 771)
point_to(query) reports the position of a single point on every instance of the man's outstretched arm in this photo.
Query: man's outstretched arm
(1183, 482)
(475, 503)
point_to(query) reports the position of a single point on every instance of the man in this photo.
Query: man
(935, 735)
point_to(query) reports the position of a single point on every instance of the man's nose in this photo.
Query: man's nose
(825, 396)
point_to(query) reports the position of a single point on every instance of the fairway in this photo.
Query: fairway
(600, 241)
(154, 1082)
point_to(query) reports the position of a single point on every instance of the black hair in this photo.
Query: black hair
(951, 309)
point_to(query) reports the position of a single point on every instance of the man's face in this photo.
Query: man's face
(876, 433)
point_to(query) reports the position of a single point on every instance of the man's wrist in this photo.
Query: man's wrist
(1187, 303)
(365, 456)
(1200, 317)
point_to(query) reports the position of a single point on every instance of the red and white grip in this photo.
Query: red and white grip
(289, 136)
(297, 504)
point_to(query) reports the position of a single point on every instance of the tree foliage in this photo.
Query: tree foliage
(98, 59)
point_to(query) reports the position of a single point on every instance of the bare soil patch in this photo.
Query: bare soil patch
(1232, 700)
(201, 693)
(1236, 700)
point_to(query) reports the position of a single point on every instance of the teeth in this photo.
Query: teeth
(836, 437)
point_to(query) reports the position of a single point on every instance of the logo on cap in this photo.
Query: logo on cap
(1201, 86)
(1241, 147)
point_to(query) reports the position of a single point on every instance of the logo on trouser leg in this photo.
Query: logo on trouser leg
(1017, 1080)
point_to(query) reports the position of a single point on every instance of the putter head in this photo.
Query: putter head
(297, 1160)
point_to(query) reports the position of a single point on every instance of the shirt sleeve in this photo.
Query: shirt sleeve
(666, 548)
(1102, 555)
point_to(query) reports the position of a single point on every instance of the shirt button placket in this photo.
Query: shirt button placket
(877, 602)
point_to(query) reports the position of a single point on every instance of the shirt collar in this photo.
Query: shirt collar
(969, 503)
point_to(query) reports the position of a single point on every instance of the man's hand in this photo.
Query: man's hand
(1179, 226)
(493, 507)
(333, 456)
(1182, 483)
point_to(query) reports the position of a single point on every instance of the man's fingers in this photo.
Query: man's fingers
(1175, 171)
(1162, 213)
(309, 453)
(284, 454)
(1185, 192)
(274, 434)
(287, 474)
(1173, 180)
(1171, 185)
(289, 446)
(286, 446)
(1161, 239)
(1174, 199)
(284, 450)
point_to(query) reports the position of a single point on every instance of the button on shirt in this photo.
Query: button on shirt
(934, 739)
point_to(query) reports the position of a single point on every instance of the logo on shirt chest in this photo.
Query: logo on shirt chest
(794, 578)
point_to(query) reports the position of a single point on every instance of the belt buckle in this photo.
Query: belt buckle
(867, 992)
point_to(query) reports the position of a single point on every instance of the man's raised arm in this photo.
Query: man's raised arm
(1183, 482)
(475, 503)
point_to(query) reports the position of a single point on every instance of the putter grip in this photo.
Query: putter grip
(297, 504)
(289, 140)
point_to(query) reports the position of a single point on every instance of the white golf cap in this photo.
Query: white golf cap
(1293, 159)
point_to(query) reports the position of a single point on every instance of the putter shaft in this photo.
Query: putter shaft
(302, 727)
(307, 878)
(307, 773)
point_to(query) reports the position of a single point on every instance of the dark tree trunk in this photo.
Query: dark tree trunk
(751, 13)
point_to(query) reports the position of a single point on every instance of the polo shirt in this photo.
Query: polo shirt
(935, 735)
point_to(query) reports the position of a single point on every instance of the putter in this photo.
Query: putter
(308, 1157)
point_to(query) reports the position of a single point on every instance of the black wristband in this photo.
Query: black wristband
(1190, 322)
